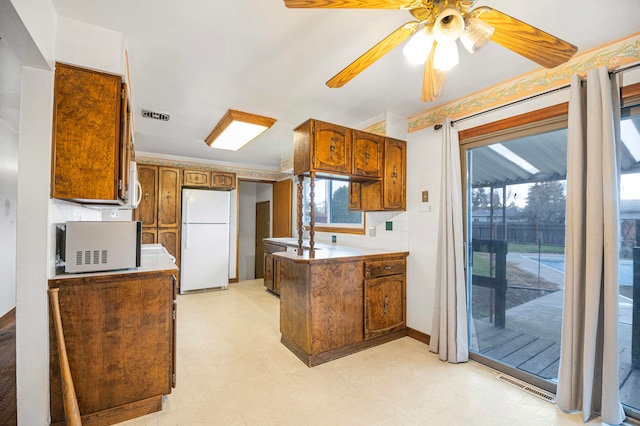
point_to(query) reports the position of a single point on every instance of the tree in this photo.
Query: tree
(479, 199)
(546, 202)
(340, 207)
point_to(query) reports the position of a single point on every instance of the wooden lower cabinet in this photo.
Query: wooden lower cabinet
(120, 338)
(149, 236)
(330, 308)
(272, 266)
(385, 297)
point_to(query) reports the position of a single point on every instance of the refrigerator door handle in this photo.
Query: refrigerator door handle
(186, 228)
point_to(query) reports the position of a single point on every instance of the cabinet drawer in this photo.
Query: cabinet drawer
(195, 178)
(273, 248)
(381, 268)
(223, 180)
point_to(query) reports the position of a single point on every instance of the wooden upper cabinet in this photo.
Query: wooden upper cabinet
(169, 189)
(223, 180)
(87, 137)
(146, 211)
(322, 147)
(196, 178)
(367, 154)
(394, 185)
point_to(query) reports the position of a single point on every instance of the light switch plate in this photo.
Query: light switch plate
(425, 204)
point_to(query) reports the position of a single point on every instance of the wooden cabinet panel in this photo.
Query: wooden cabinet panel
(355, 200)
(331, 146)
(87, 135)
(119, 338)
(268, 271)
(169, 189)
(384, 305)
(149, 235)
(395, 180)
(276, 275)
(147, 209)
(367, 154)
(282, 193)
(196, 178)
(170, 239)
(223, 180)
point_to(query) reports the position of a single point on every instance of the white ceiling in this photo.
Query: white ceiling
(195, 59)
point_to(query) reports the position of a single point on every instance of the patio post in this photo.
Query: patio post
(635, 323)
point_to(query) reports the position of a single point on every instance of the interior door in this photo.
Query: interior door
(282, 208)
(262, 231)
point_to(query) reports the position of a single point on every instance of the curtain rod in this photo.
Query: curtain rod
(557, 89)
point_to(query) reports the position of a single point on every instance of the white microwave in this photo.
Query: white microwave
(93, 246)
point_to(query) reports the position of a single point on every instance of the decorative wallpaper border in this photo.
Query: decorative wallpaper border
(241, 172)
(615, 55)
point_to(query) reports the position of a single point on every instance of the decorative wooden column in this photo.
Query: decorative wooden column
(299, 218)
(312, 214)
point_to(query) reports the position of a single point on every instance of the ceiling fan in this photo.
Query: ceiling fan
(433, 34)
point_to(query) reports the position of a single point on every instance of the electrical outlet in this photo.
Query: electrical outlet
(388, 226)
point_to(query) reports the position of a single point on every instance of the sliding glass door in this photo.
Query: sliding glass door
(516, 194)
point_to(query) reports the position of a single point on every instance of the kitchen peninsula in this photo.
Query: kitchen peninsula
(341, 300)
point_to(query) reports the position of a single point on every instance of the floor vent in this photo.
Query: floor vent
(547, 396)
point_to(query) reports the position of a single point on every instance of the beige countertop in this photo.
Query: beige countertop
(324, 252)
(153, 258)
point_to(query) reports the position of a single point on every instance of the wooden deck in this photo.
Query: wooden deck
(540, 356)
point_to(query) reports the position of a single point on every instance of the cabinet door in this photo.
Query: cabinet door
(170, 239)
(331, 146)
(394, 181)
(276, 275)
(223, 180)
(367, 154)
(195, 178)
(86, 135)
(168, 197)
(268, 271)
(149, 235)
(355, 200)
(384, 305)
(146, 211)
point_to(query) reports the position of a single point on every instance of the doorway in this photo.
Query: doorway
(516, 197)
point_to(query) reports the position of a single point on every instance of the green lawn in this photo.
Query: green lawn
(533, 248)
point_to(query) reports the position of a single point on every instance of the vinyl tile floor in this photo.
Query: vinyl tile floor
(233, 370)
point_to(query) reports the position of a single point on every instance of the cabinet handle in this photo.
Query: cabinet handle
(168, 196)
(387, 268)
(197, 178)
(394, 174)
(224, 181)
(332, 148)
(146, 196)
(386, 304)
(366, 155)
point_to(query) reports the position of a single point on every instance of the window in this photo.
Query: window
(331, 207)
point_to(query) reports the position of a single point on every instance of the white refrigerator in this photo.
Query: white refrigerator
(204, 262)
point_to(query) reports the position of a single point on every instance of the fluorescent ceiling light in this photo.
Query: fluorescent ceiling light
(514, 158)
(630, 138)
(236, 129)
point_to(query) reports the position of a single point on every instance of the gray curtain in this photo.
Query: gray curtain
(588, 374)
(449, 331)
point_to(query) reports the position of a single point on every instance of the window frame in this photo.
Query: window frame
(354, 229)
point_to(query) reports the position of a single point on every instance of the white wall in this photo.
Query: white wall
(10, 76)
(251, 193)
(247, 231)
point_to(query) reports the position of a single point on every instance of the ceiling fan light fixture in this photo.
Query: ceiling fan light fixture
(476, 34)
(446, 56)
(448, 26)
(236, 129)
(417, 49)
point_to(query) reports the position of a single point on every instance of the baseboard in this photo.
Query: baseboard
(419, 336)
(233, 280)
(8, 319)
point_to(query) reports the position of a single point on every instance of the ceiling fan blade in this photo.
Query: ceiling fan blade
(349, 4)
(433, 83)
(373, 54)
(530, 42)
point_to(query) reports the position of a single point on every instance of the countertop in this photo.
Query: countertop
(325, 252)
(154, 258)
